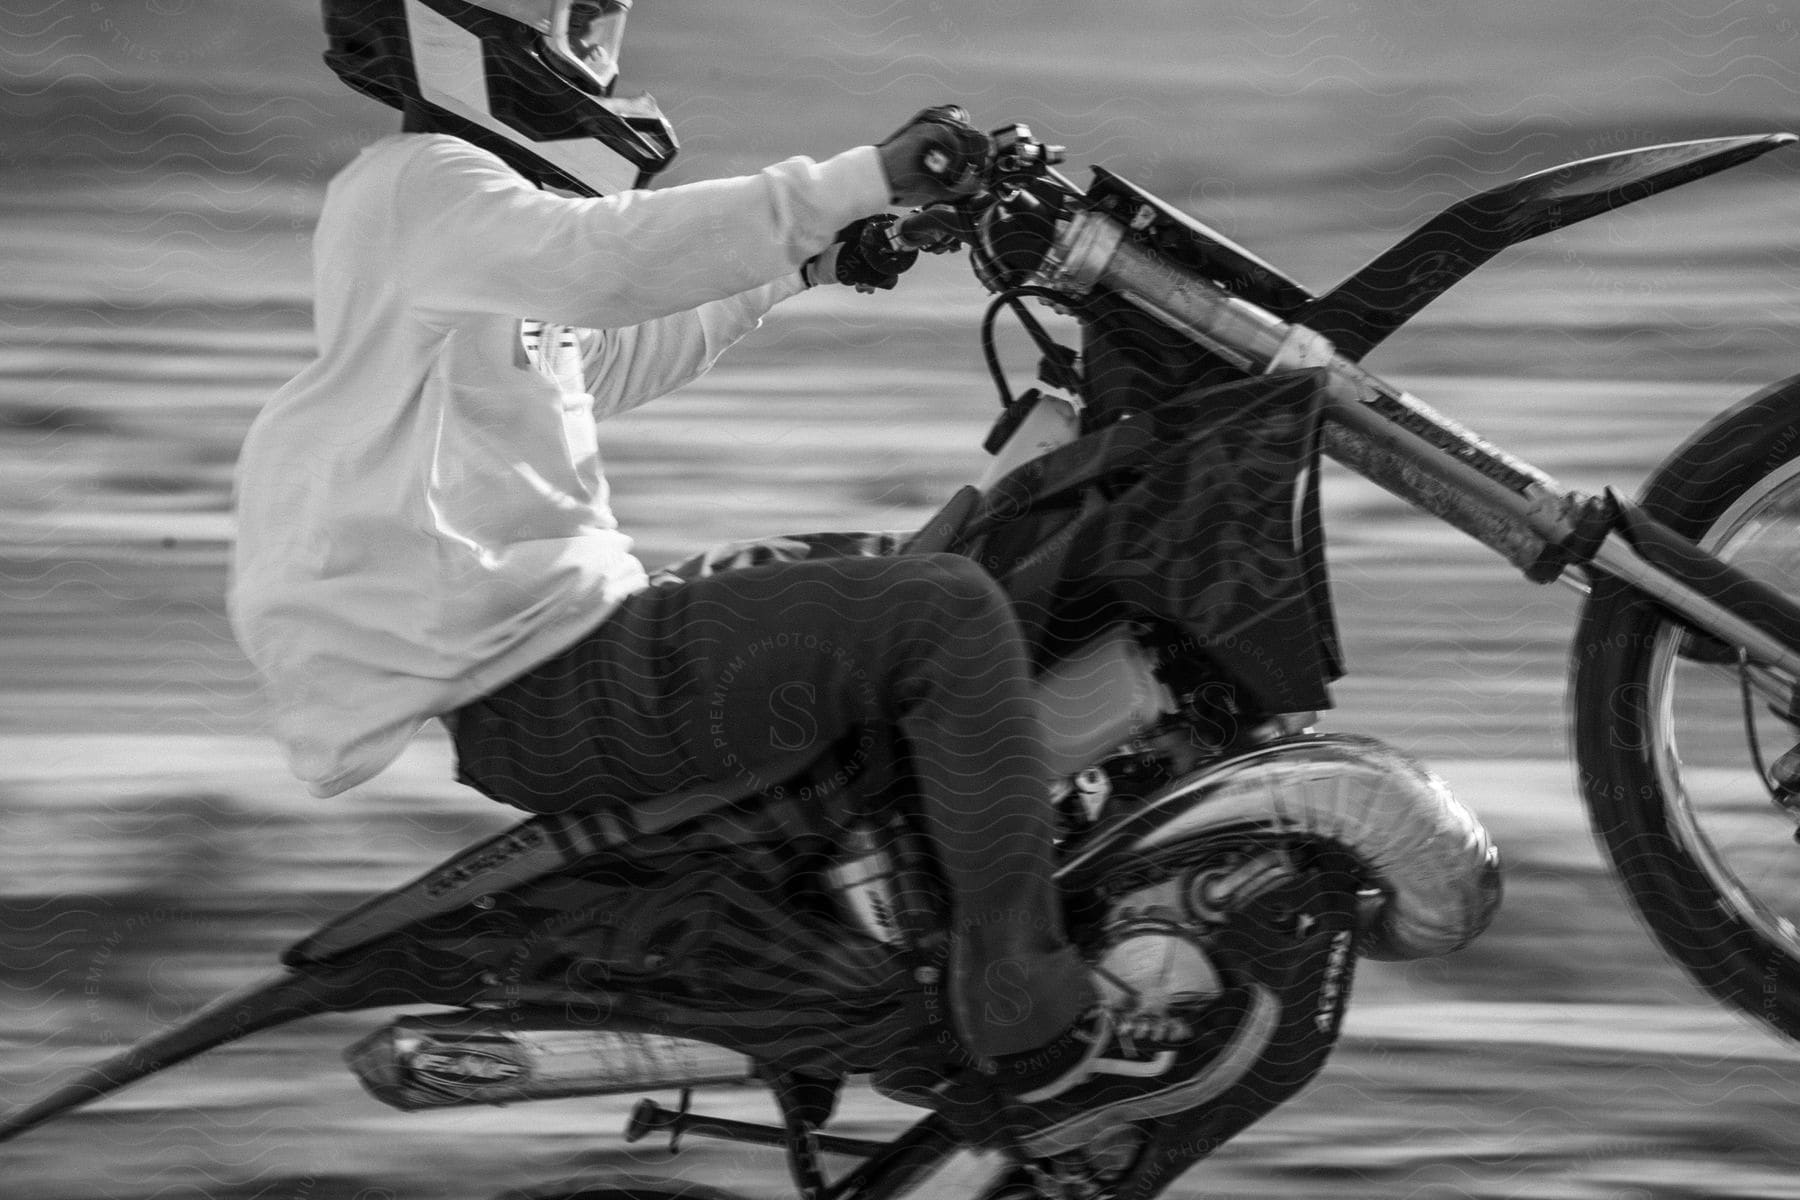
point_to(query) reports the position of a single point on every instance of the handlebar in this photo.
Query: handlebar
(1017, 159)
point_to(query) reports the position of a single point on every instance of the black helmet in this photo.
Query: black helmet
(530, 80)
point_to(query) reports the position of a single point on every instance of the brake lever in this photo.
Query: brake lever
(936, 229)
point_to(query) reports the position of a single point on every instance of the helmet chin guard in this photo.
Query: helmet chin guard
(530, 80)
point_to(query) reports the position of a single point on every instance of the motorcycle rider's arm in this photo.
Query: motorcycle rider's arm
(628, 367)
(479, 238)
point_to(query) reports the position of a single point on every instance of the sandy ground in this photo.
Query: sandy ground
(162, 164)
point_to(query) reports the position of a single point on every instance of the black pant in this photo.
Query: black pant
(747, 674)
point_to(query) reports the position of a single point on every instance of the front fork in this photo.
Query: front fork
(1398, 442)
(1547, 531)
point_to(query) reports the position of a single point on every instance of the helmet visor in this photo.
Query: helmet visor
(584, 41)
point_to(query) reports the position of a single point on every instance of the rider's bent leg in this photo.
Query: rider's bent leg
(738, 675)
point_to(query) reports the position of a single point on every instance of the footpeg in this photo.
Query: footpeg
(648, 1117)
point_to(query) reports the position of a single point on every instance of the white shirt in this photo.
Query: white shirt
(422, 513)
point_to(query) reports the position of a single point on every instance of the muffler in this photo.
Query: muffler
(445, 1061)
(1437, 870)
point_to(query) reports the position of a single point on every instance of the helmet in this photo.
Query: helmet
(530, 80)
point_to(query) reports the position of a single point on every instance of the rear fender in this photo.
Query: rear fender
(385, 975)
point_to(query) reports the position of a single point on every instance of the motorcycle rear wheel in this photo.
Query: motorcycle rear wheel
(1667, 767)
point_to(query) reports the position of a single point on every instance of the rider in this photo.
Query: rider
(424, 528)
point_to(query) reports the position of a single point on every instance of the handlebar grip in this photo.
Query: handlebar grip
(929, 229)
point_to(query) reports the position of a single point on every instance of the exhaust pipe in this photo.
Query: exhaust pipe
(1436, 868)
(484, 1058)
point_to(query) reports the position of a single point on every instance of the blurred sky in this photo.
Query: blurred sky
(1298, 120)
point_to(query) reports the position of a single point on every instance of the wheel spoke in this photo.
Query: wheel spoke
(1707, 757)
(1669, 723)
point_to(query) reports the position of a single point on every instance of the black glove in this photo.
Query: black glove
(936, 156)
(863, 255)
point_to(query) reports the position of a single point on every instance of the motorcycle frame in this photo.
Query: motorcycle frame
(1263, 324)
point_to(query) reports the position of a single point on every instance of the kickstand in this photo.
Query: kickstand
(683, 1104)
(806, 1103)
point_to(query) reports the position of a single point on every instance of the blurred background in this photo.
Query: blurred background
(163, 161)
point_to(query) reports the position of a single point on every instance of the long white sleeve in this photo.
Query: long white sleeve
(631, 366)
(477, 238)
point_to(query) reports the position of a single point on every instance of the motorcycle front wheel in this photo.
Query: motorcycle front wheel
(627, 1188)
(1668, 754)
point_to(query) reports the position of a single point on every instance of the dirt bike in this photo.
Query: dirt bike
(1153, 513)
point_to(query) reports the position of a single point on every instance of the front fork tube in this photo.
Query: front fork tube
(1544, 529)
(1619, 558)
(1428, 460)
